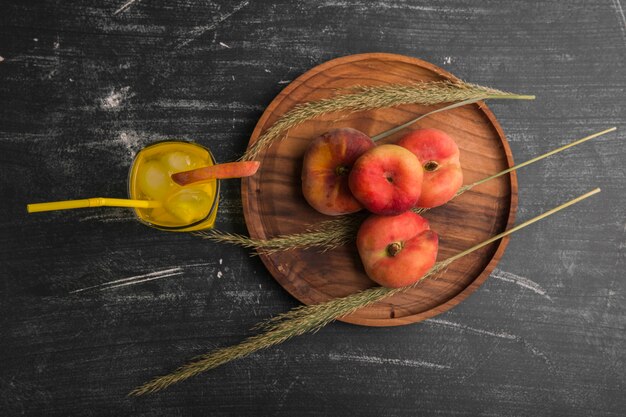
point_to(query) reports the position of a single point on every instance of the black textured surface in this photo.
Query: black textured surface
(82, 88)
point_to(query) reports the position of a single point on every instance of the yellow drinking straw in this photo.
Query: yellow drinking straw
(91, 202)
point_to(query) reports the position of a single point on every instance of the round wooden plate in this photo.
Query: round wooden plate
(274, 205)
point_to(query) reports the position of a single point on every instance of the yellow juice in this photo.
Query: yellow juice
(184, 209)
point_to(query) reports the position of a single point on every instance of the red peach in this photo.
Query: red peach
(397, 251)
(387, 179)
(325, 171)
(439, 156)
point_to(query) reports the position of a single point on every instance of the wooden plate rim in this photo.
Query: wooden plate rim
(480, 279)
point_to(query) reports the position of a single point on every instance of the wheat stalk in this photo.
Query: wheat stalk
(306, 319)
(342, 230)
(374, 97)
(298, 321)
(327, 235)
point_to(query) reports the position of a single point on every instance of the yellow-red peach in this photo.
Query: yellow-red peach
(397, 251)
(387, 179)
(439, 156)
(326, 167)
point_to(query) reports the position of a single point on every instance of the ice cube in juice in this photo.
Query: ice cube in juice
(180, 161)
(189, 205)
(188, 208)
(154, 180)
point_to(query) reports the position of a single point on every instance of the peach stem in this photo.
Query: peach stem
(431, 166)
(394, 248)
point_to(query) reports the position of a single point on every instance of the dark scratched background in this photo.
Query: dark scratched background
(85, 84)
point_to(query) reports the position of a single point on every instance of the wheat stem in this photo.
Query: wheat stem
(327, 235)
(311, 318)
(417, 119)
(537, 158)
(450, 107)
(374, 97)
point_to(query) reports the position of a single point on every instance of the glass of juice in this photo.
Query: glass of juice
(183, 209)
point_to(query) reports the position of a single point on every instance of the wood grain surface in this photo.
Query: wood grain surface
(85, 85)
(273, 203)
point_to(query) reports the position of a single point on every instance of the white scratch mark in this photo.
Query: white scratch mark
(207, 105)
(447, 60)
(285, 394)
(110, 215)
(363, 6)
(386, 361)
(502, 335)
(221, 260)
(620, 14)
(40, 61)
(536, 352)
(521, 281)
(224, 45)
(284, 81)
(461, 327)
(244, 296)
(201, 30)
(197, 264)
(141, 280)
(36, 39)
(268, 71)
(132, 280)
(1, 58)
(115, 99)
(219, 274)
(568, 259)
(125, 6)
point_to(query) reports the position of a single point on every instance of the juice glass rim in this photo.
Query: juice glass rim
(173, 228)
